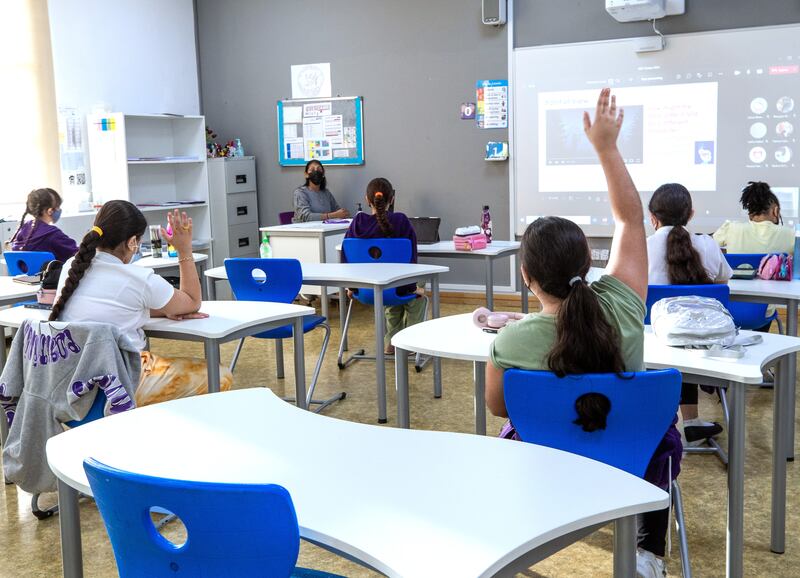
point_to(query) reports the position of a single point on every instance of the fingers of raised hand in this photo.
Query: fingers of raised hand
(587, 123)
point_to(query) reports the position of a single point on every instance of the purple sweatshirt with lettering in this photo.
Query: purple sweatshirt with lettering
(365, 226)
(44, 237)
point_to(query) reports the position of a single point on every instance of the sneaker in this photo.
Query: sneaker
(648, 565)
(696, 431)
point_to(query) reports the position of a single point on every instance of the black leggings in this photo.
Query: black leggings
(653, 531)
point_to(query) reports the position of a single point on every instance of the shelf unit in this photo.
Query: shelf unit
(151, 159)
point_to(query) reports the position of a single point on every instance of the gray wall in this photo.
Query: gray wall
(414, 62)
(539, 22)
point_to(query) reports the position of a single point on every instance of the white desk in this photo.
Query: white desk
(397, 509)
(158, 263)
(456, 337)
(227, 321)
(12, 292)
(495, 250)
(785, 293)
(310, 242)
(376, 276)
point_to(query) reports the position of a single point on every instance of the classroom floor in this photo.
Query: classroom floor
(30, 548)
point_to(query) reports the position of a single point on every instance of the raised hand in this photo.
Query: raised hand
(179, 234)
(603, 132)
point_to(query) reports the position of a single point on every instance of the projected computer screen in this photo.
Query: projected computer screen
(711, 111)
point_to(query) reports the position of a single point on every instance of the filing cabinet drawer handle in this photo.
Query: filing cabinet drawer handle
(241, 211)
(244, 241)
(241, 179)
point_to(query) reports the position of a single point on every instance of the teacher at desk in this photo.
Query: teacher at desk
(313, 201)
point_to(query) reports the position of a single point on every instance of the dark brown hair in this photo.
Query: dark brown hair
(38, 201)
(757, 198)
(324, 184)
(554, 253)
(118, 221)
(671, 204)
(380, 195)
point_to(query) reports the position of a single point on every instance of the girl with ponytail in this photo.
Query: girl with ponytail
(382, 222)
(676, 257)
(101, 284)
(764, 231)
(40, 233)
(589, 328)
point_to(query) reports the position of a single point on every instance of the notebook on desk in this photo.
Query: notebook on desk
(426, 228)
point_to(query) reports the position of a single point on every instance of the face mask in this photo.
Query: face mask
(56, 215)
(316, 177)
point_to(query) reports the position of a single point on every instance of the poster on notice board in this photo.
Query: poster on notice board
(492, 101)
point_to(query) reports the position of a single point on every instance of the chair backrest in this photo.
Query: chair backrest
(26, 262)
(718, 291)
(285, 217)
(377, 250)
(643, 404)
(231, 529)
(276, 280)
(752, 259)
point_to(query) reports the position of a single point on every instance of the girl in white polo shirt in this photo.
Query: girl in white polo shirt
(677, 257)
(101, 284)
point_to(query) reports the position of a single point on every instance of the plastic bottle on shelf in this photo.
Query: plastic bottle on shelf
(486, 223)
(359, 209)
(264, 250)
(796, 270)
(239, 148)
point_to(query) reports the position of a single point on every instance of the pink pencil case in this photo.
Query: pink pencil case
(470, 242)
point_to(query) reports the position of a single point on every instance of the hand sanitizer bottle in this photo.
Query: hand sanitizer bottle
(264, 250)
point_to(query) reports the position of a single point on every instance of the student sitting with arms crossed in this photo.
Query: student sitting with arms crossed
(585, 328)
(40, 233)
(101, 284)
(380, 223)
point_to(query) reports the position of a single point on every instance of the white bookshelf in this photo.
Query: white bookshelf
(157, 162)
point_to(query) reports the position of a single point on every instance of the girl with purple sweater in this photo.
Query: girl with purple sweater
(40, 234)
(382, 223)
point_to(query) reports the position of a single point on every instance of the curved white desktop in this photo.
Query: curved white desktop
(404, 502)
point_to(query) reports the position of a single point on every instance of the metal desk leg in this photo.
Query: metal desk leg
(625, 547)
(480, 397)
(69, 519)
(211, 289)
(736, 453)
(342, 314)
(279, 372)
(201, 268)
(212, 364)
(437, 361)
(299, 364)
(380, 357)
(791, 370)
(489, 283)
(779, 425)
(523, 289)
(401, 381)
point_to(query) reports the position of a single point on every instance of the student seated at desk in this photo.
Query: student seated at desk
(585, 328)
(101, 284)
(313, 201)
(764, 231)
(40, 233)
(381, 222)
(676, 257)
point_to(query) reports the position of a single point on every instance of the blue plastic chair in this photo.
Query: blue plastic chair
(232, 529)
(375, 251)
(278, 281)
(26, 262)
(750, 315)
(541, 407)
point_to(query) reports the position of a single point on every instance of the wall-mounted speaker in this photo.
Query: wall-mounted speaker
(493, 12)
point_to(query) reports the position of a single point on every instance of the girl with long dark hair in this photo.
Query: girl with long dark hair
(40, 233)
(589, 328)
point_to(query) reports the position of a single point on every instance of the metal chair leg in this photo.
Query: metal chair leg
(236, 354)
(39, 513)
(356, 355)
(421, 361)
(680, 519)
(723, 398)
(322, 404)
(279, 372)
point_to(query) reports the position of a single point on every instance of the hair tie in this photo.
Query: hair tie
(97, 230)
(576, 279)
(378, 195)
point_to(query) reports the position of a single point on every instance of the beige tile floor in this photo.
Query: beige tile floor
(30, 548)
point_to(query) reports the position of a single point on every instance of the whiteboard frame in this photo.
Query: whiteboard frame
(359, 111)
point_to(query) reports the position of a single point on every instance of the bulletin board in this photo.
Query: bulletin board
(330, 130)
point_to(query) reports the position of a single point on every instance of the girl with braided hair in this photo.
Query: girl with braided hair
(39, 233)
(382, 222)
(764, 231)
(101, 284)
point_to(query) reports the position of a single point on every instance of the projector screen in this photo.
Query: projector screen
(711, 111)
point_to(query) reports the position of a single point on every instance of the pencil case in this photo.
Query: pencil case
(469, 242)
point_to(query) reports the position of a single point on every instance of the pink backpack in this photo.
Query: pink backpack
(776, 267)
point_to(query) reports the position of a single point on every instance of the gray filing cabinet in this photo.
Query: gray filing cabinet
(234, 207)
